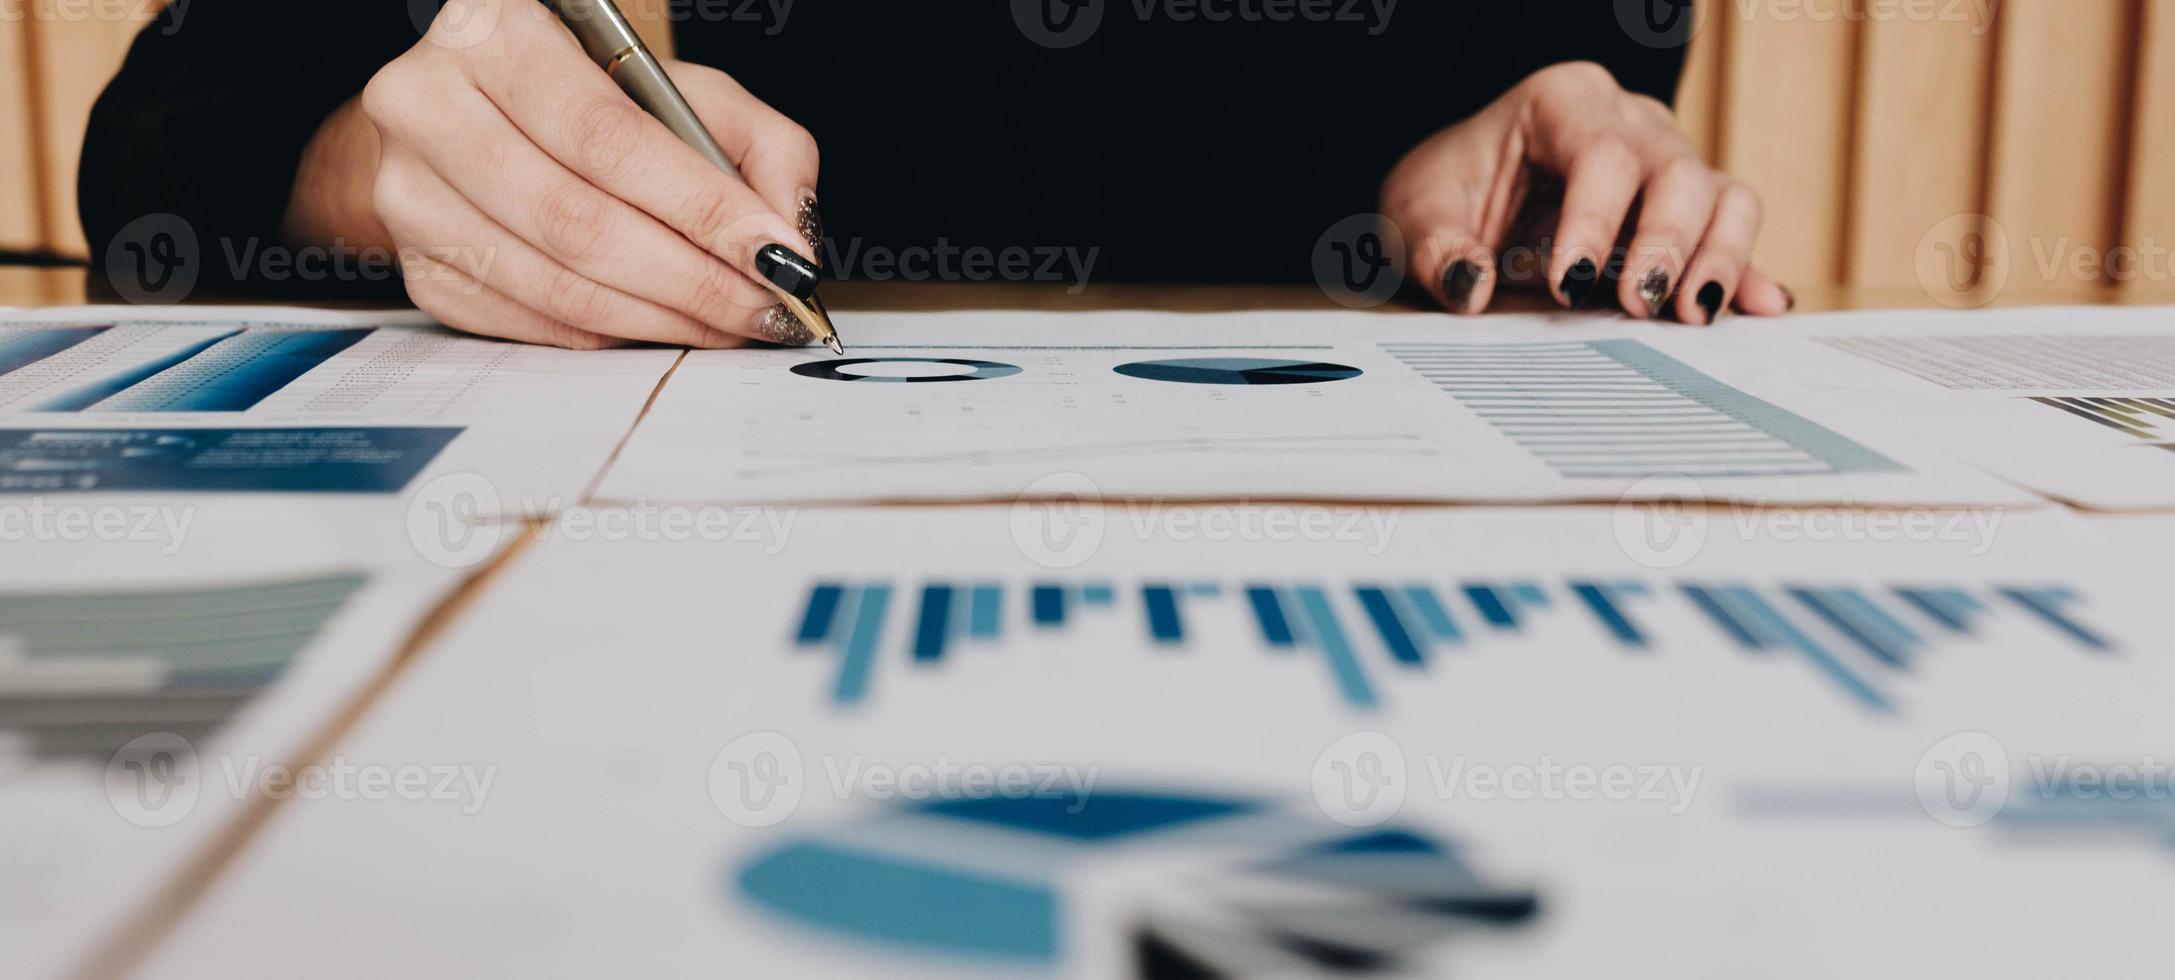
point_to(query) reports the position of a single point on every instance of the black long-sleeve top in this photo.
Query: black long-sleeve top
(1177, 149)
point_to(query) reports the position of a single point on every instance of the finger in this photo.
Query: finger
(1723, 255)
(492, 164)
(1447, 255)
(1760, 295)
(458, 300)
(423, 211)
(777, 157)
(1674, 211)
(1601, 181)
(550, 92)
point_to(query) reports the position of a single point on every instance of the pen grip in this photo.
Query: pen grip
(644, 80)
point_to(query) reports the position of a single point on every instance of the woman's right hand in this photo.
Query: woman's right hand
(529, 198)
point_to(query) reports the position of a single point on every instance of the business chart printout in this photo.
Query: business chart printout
(261, 399)
(1315, 405)
(1529, 743)
(154, 687)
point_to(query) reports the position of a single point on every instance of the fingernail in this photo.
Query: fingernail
(779, 326)
(1654, 290)
(1710, 300)
(787, 271)
(1789, 299)
(1578, 283)
(1458, 283)
(810, 220)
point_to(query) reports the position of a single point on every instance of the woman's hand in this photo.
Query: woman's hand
(1618, 165)
(529, 198)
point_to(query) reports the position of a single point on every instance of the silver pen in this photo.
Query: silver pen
(611, 41)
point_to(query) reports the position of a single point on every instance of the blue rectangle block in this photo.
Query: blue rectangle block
(1049, 605)
(1162, 606)
(1275, 628)
(284, 460)
(822, 609)
(932, 629)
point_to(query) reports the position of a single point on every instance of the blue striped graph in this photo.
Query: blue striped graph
(1854, 637)
(228, 371)
(1620, 409)
(23, 346)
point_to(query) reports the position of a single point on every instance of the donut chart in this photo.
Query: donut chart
(969, 369)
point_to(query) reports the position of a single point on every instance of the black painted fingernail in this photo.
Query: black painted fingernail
(1578, 283)
(787, 271)
(1458, 283)
(1654, 290)
(810, 220)
(1710, 300)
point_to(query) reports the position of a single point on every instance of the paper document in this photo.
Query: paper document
(153, 686)
(235, 400)
(1314, 405)
(2078, 404)
(1108, 742)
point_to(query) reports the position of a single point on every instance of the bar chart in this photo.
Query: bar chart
(85, 672)
(2145, 418)
(161, 369)
(1852, 637)
(1621, 409)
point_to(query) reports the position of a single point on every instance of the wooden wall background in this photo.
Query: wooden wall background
(1887, 136)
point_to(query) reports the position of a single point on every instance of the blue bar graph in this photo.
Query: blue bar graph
(230, 371)
(1853, 637)
(21, 347)
(97, 391)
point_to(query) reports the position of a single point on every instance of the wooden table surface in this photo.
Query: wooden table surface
(59, 286)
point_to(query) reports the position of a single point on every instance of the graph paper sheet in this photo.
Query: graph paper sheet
(990, 741)
(2078, 404)
(278, 400)
(152, 679)
(986, 406)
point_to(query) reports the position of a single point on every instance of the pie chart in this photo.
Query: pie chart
(1238, 371)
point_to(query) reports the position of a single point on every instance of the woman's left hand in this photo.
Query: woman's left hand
(1459, 196)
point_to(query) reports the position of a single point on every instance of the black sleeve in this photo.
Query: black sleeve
(208, 116)
(1641, 42)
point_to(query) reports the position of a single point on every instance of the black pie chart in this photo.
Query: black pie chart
(1237, 371)
(872, 369)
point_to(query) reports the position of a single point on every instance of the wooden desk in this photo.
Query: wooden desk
(63, 286)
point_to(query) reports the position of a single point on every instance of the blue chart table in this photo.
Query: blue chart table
(341, 459)
(1854, 637)
(108, 667)
(225, 371)
(906, 881)
(1621, 409)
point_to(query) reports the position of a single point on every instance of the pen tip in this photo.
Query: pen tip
(832, 343)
